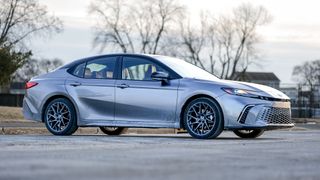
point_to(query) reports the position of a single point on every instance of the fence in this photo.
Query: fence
(305, 101)
(14, 100)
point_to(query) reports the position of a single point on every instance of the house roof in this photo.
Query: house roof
(289, 88)
(256, 76)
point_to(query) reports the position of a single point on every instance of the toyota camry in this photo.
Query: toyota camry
(119, 91)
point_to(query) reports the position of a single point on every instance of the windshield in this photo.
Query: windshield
(185, 69)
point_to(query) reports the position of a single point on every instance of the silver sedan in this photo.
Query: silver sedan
(120, 91)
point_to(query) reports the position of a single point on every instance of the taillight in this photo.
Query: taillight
(30, 84)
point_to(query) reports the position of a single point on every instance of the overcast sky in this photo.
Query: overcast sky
(292, 38)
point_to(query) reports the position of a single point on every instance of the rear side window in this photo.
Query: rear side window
(102, 68)
(78, 70)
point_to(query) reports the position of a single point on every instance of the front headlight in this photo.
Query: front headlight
(241, 92)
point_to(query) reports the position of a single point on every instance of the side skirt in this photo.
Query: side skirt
(130, 124)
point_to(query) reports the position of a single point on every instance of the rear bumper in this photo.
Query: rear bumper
(29, 111)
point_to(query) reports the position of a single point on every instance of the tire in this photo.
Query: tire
(60, 117)
(112, 130)
(203, 118)
(254, 133)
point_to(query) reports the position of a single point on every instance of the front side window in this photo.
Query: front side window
(102, 68)
(134, 68)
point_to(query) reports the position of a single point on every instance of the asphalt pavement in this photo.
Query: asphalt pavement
(275, 155)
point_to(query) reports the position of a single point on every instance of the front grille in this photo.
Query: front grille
(272, 115)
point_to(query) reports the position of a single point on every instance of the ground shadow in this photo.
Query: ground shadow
(174, 136)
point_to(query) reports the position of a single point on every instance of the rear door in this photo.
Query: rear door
(141, 99)
(94, 89)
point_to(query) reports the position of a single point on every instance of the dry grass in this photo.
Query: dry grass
(10, 113)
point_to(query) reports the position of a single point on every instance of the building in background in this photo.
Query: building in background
(304, 102)
(291, 92)
(265, 78)
(14, 88)
(12, 95)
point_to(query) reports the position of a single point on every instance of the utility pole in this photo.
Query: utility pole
(299, 100)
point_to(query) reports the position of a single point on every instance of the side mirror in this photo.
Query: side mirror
(160, 76)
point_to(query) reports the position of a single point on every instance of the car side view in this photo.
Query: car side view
(119, 91)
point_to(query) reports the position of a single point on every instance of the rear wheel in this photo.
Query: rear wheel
(203, 118)
(253, 133)
(60, 117)
(112, 130)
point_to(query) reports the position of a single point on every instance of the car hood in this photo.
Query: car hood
(262, 90)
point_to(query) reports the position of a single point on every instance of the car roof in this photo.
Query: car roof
(155, 57)
(79, 61)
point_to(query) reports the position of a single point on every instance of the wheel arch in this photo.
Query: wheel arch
(56, 96)
(183, 108)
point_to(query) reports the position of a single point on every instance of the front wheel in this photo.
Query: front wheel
(112, 130)
(203, 118)
(254, 133)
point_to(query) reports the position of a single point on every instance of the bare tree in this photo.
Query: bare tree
(225, 35)
(27, 71)
(166, 12)
(128, 26)
(224, 45)
(308, 74)
(211, 34)
(193, 39)
(227, 41)
(113, 24)
(35, 67)
(152, 21)
(237, 36)
(22, 19)
(144, 19)
(47, 65)
(245, 21)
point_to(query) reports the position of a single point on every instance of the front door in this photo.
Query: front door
(141, 99)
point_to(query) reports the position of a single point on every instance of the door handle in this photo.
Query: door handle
(74, 84)
(122, 86)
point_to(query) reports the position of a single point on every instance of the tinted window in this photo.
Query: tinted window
(102, 68)
(78, 70)
(139, 69)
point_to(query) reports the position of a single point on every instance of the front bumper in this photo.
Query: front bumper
(276, 115)
(249, 113)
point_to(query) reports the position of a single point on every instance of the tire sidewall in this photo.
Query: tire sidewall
(72, 126)
(118, 131)
(218, 126)
(254, 134)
